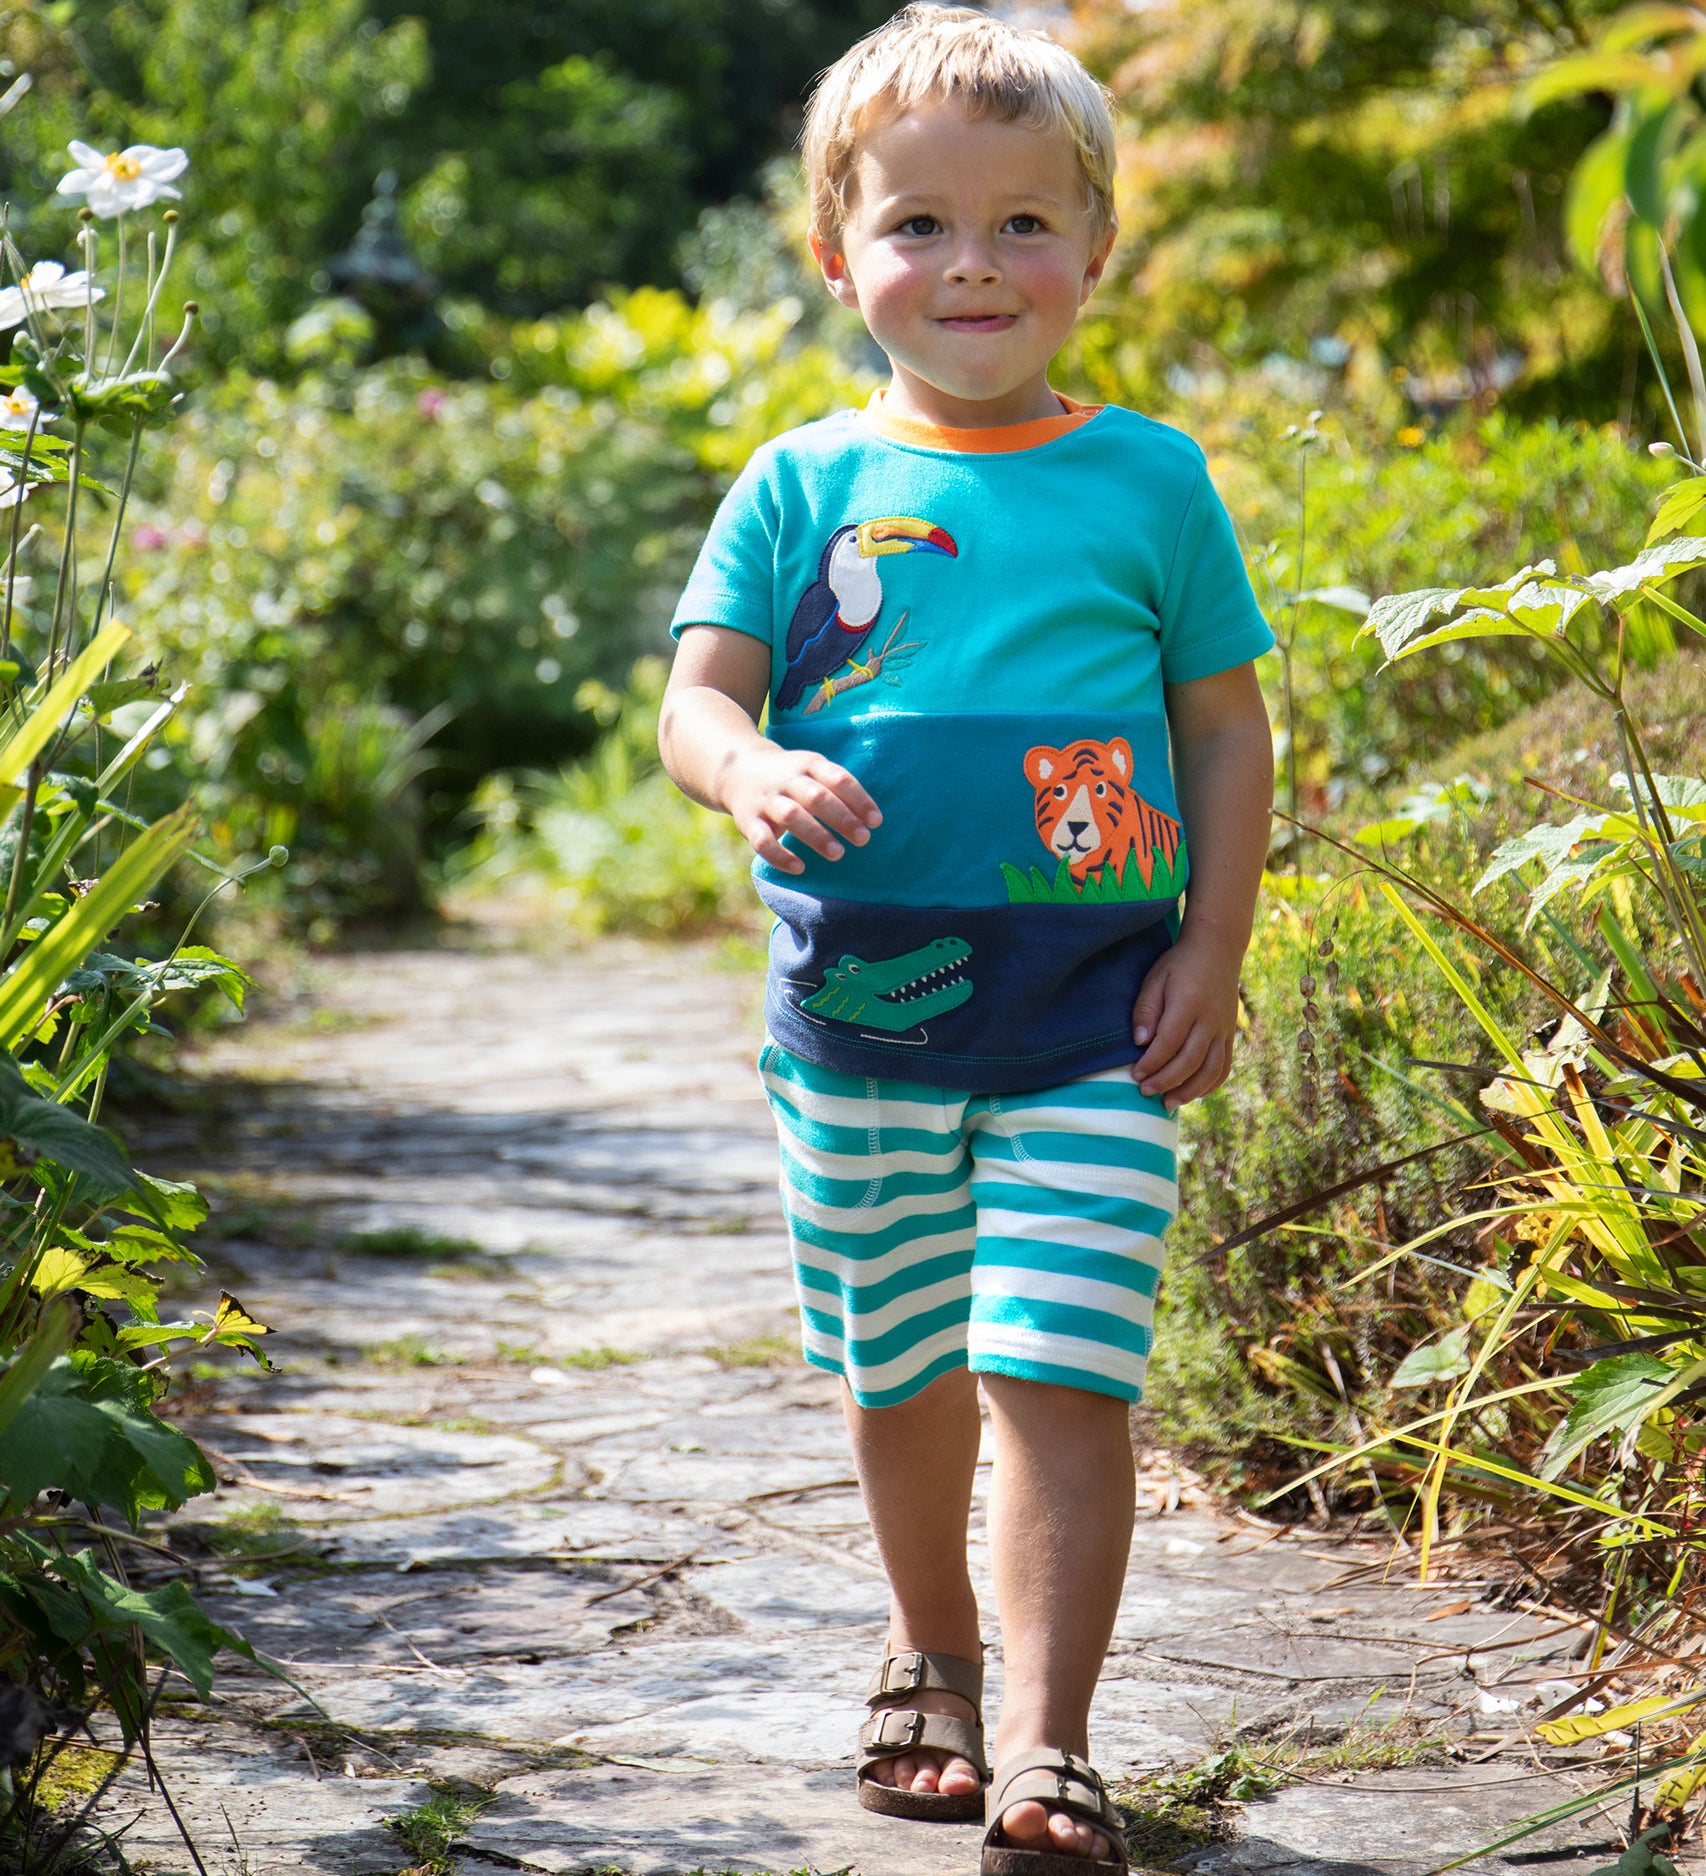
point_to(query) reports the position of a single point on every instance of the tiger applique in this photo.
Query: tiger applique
(1089, 815)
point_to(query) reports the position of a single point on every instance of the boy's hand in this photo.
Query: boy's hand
(1187, 1013)
(770, 792)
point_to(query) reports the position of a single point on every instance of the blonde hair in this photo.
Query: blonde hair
(927, 54)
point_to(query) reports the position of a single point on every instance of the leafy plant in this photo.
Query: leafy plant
(84, 1233)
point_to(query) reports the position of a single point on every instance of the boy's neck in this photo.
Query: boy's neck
(907, 395)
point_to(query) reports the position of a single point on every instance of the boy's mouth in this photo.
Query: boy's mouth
(979, 322)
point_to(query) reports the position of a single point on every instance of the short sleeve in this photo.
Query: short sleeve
(733, 580)
(1209, 617)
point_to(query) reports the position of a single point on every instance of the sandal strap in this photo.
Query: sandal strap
(1060, 1780)
(894, 1730)
(915, 1671)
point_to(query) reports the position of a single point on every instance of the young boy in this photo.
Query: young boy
(1006, 644)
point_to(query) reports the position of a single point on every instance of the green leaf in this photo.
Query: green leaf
(1681, 502)
(1587, 71)
(1522, 605)
(107, 1451)
(1665, 561)
(1683, 796)
(46, 717)
(59, 1133)
(53, 1334)
(1612, 1396)
(1551, 845)
(1443, 1360)
(180, 1207)
(26, 987)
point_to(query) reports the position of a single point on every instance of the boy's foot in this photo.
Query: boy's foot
(927, 1769)
(1031, 1826)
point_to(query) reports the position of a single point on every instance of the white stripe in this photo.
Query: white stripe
(1080, 1234)
(858, 1111)
(1089, 1122)
(907, 1367)
(1054, 1351)
(1057, 1286)
(857, 1220)
(855, 1271)
(862, 1324)
(1108, 1182)
(864, 1167)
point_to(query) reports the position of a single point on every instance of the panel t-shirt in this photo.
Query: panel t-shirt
(978, 625)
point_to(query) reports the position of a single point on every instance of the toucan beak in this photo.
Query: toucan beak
(905, 534)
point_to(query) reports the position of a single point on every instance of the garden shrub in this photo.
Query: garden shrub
(383, 585)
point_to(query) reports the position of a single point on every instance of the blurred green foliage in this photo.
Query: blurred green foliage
(1342, 184)
(544, 152)
(352, 564)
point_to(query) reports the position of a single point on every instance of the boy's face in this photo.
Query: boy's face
(968, 251)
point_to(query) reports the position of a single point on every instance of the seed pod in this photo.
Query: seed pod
(1311, 1013)
(1325, 948)
(1306, 1043)
(1307, 984)
(1333, 975)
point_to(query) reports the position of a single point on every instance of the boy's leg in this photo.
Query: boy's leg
(916, 1463)
(1060, 1517)
(1074, 1188)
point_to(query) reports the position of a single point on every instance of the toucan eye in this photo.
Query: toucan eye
(1060, 791)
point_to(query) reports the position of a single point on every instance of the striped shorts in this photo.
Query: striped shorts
(1015, 1234)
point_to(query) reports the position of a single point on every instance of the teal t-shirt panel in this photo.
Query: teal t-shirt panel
(983, 638)
(1081, 573)
(986, 810)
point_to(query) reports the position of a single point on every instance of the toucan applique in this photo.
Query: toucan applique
(838, 611)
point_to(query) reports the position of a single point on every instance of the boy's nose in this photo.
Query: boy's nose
(974, 262)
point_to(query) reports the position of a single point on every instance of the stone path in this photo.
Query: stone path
(554, 1519)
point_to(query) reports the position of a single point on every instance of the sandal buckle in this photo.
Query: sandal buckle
(903, 1674)
(906, 1735)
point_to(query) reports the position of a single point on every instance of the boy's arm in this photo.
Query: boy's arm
(709, 739)
(1223, 766)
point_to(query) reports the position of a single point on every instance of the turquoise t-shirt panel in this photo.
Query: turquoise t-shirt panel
(1077, 573)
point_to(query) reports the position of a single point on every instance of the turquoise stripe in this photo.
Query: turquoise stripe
(1049, 1147)
(862, 1298)
(851, 1194)
(1108, 1097)
(1071, 1260)
(874, 1351)
(1085, 1379)
(903, 1391)
(865, 1244)
(828, 1136)
(781, 1066)
(1127, 1214)
(1087, 1325)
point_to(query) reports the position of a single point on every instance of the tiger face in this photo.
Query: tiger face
(1088, 814)
(1083, 801)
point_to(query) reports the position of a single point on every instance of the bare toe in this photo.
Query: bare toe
(1026, 1825)
(958, 1777)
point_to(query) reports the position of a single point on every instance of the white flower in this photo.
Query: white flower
(46, 284)
(125, 179)
(12, 491)
(18, 408)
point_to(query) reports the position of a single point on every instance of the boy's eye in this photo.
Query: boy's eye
(1025, 224)
(919, 225)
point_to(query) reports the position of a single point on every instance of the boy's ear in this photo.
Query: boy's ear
(1098, 263)
(832, 262)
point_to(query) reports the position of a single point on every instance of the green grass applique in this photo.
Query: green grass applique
(1032, 886)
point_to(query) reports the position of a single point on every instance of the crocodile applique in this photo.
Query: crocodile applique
(895, 994)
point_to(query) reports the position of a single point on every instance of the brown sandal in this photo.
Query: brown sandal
(894, 1729)
(1063, 1782)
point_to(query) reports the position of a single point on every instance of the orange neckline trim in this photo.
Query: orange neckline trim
(1000, 439)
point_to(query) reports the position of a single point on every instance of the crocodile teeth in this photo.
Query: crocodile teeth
(944, 977)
